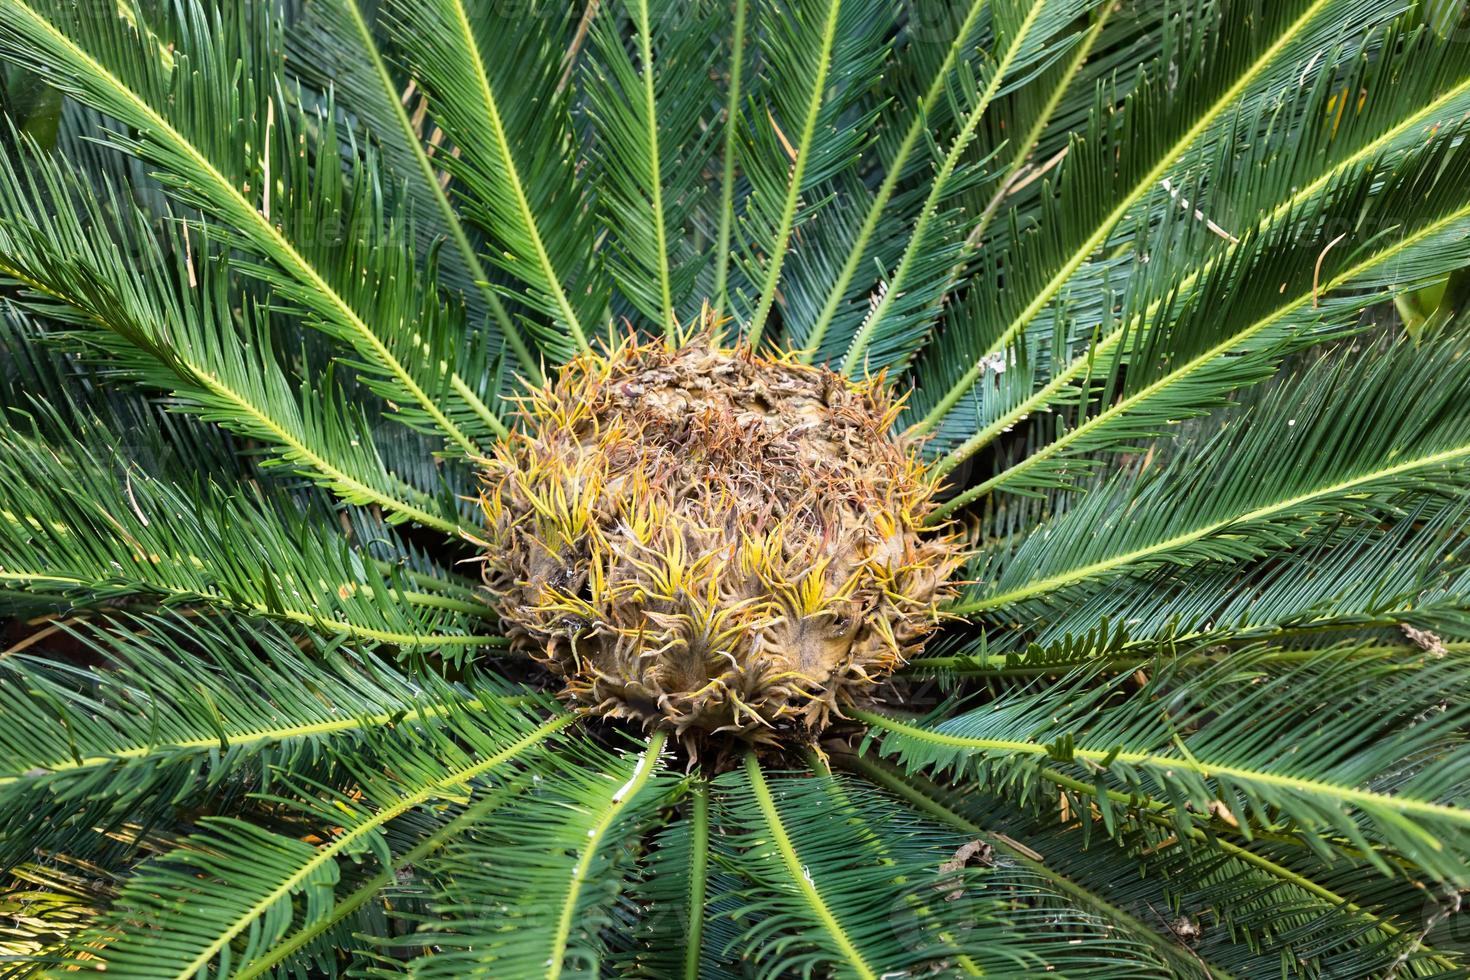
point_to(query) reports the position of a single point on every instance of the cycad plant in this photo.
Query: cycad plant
(701, 488)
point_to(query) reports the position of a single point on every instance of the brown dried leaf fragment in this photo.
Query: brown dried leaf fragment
(1425, 640)
(975, 852)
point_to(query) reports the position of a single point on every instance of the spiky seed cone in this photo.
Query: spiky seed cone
(713, 541)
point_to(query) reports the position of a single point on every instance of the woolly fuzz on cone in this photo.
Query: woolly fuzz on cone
(712, 541)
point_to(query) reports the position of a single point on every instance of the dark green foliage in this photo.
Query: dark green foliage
(275, 273)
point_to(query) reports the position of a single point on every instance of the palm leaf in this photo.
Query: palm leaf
(81, 526)
(732, 127)
(1364, 765)
(1347, 439)
(556, 867)
(676, 880)
(1229, 334)
(517, 183)
(817, 900)
(653, 144)
(253, 874)
(1028, 36)
(1339, 578)
(337, 47)
(1252, 914)
(836, 308)
(105, 63)
(167, 321)
(130, 742)
(1232, 60)
(1300, 155)
(793, 141)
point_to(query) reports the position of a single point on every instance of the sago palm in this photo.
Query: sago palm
(709, 488)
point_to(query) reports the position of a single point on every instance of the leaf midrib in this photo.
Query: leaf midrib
(1364, 799)
(1105, 565)
(1003, 665)
(647, 763)
(1164, 382)
(885, 189)
(897, 284)
(219, 389)
(248, 738)
(513, 174)
(451, 219)
(698, 877)
(655, 172)
(782, 241)
(1105, 344)
(250, 607)
(805, 886)
(327, 852)
(303, 269)
(727, 177)
(1105, 227)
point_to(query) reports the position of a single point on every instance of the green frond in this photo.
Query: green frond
(731, 126)
(1115, 653)
(1026, 37)
(837, 310)
(1346, 439)
(932, 800)
(809, 907)
(1035, 109)
(239, 153)
(653, 141)
(336, 45)
(321, 942)
(1230, 333)
(530, 890)
(675, 883)
(1351, 577)
(871, 894)
(1253, 920)
(1365, 763)
(1231, 61)
(514, 179)
(1290, 168)
(168, 322)
(80, 525)
(185, 706)
(816, 58)
(253, 876)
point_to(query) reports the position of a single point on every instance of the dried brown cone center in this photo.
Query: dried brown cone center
(712, 541)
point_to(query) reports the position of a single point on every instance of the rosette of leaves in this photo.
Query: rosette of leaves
(726, 546)
(279, 276)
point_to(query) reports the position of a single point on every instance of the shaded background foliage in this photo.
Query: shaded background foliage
(274, 273)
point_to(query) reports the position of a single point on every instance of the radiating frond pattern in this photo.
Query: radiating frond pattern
(1163, 303)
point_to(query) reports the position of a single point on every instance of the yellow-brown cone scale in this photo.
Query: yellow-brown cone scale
(722, 544)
